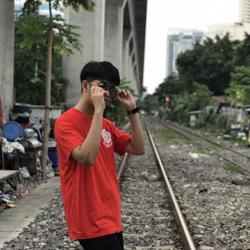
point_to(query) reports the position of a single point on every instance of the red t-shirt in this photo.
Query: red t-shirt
(91, 196)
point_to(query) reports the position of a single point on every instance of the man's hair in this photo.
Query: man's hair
(100, 71)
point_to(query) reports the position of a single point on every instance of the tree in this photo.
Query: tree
(31, 54)
(151, 103)
(30, 5)
(188, 66)
(198, 99)
(242, 52)
(171, 86)
(239, 88)
(210, 63)
(114, 111)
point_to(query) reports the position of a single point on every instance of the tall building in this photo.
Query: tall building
(237, 30)
(179, 43)
(114, 32)
(245, 11)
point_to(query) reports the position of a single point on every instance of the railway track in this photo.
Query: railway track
(216, 210)
(214, 196)
(150, 211)
(228, 154)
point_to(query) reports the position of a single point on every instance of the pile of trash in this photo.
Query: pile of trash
(236, 133)
(7, 201)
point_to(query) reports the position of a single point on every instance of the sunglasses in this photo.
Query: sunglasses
(108, 87)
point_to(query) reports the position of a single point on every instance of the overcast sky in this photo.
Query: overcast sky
(163, 15)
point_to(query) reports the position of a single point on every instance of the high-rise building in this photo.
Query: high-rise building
(178, 43)
(236, 30)
(245, 11)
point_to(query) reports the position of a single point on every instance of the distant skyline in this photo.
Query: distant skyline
(164, 16)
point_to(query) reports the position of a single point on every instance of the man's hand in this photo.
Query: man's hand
(86, 152)
(126, 99)
(97, 96)
(136, 145)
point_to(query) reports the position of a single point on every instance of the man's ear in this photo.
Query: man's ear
(84, 85)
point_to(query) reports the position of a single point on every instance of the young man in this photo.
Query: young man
(86, 144)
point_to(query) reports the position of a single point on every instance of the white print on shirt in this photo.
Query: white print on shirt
(106, 136)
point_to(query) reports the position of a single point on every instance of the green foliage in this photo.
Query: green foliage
(114, 111)
(239, 89)
(182, 104)
(206, 117)
(31, 53)
(170, 86)
(221, 66)
(200, 95)
(242, 52)
(210, 64)
(221, 121)
(31, 42)
(31, 5)
(150, 103)
(188, 66)
(33, 31)
(126, 84)
(179, 110)
(75, 4)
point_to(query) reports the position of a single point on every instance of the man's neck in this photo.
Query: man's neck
(85, 107)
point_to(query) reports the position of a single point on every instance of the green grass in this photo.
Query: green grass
(233, 169)
(215, 148)
(201, 150)
(240, 142)
(169, 135)
(212, 130)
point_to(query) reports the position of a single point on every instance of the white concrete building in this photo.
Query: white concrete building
(114, 32)
(236, 31)
(245, 11)
(178, 43)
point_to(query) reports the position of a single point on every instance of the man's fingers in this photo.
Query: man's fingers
(97, 90)
(129, 93)
(118, 98)
(125, 92)
(122, 93)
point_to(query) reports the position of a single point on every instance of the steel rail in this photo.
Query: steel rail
(212, 142)
(125, 157)
(189, 135)
(122, 166)
(186, 236)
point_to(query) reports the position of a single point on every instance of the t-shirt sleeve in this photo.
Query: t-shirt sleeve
(121, 140)
(67, 137)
